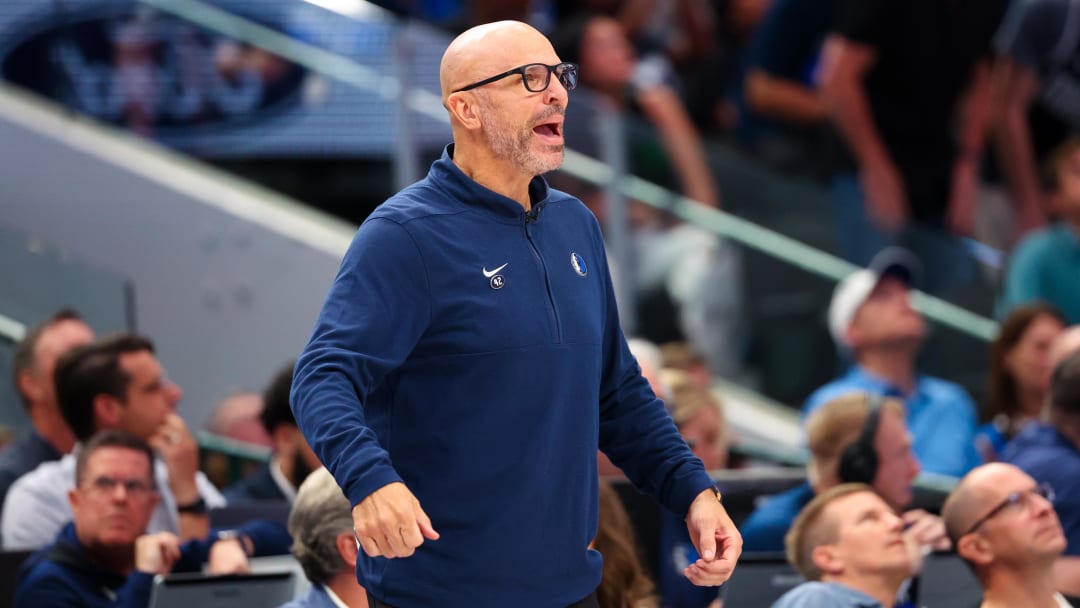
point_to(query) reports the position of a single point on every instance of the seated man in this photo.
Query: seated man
(293, 458)
(33, 362)
(114, 383)
(849, 546)
(104, 556)
(1004, 526)
(870, 316)
(1050, 453)
(854, 438)
(322, 529)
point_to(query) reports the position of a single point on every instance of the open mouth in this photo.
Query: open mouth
(550, 131)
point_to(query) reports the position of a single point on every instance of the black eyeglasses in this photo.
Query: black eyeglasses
(535, 76)
(1021, 499)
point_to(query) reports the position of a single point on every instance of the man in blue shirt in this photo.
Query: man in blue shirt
(104, 558)
(848, 544)
(871, 318)
(468, 362)
(1050, 453)
(33, 361)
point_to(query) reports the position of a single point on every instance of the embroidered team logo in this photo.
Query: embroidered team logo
(578, 264)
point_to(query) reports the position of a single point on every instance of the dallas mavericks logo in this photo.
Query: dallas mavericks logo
(578, 264)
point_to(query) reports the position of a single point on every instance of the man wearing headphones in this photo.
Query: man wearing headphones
(855, 438)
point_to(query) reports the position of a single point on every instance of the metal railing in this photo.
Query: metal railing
(601, 174)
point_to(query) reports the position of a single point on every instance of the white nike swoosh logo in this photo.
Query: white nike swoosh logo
(490, 273)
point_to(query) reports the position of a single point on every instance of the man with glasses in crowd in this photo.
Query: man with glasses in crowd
(104, 558)
(1004, 525)
(468, 362)
(1050, 453)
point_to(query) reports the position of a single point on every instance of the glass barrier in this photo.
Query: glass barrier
(265, 78)
(38, 280)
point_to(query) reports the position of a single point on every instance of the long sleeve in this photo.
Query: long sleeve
(376, 311)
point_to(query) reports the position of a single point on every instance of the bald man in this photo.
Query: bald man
(1049, 451)
(468, 363)
(1004, 525)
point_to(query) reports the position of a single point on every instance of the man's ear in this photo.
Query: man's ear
(464, 108)
(347, 549)
(73, 498)
(827, 559)
(28, 385)
(106, 412)
(975, 549)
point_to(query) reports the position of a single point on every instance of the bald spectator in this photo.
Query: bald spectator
(852, 439)
(848, 544)
(237, 417)
(33, 361)
(323, 543)
(1050, 453)
(1004, 525)
(871, 317)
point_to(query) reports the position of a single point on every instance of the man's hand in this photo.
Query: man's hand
(886, 198)
(391, 523)
(178, 449)
(716, 539)
(923, 532)
(228, 557)
(156, 553)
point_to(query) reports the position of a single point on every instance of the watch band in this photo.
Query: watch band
(196, 507)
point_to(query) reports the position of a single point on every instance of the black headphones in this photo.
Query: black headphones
(859, 461)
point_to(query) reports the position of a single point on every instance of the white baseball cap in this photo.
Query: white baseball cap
(851, 292)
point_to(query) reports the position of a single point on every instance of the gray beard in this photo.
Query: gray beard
(505, 145)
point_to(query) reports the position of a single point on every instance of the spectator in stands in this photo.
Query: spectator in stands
(114, 383)
(681, 356)
(623, 583)
(33, 361)
(236, 417)
(895, 102)
(1038, 95)
(293, 458)
(871, 317)
(1050, 453)
(699, 416)
(1043, 267)
(848, 544)
(104, 557)
(1004, 525)
(855, 438)
(1019, 375)
(698, 272)
(322, 529)
(786, 115)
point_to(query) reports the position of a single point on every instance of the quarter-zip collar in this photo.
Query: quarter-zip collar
(463, 188)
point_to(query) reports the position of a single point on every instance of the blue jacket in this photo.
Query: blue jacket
(62, 574)
(260, 485)
(474, 353)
